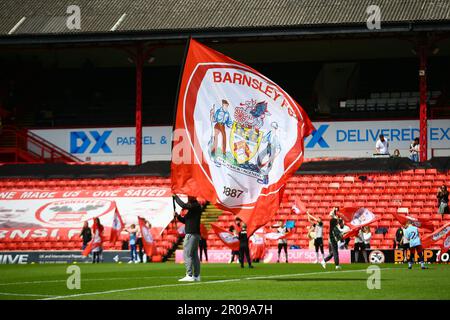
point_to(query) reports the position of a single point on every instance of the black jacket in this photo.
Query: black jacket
(243, 238)
(86, 235)
(192, 218)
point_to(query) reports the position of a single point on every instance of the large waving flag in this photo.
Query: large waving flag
(418, 222)
(97, 239)
(238, 136)
(442, 233)
(356, 218)
(147, 237)
(117, 226)
(227, 237)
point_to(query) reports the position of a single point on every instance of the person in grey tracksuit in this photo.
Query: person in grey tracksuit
(192, 237)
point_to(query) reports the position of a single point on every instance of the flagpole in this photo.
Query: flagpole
(180, 78)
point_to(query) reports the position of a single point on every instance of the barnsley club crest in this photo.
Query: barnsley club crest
(238, 141)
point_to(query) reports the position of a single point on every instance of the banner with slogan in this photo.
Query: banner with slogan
(47, 213)
(238, 136)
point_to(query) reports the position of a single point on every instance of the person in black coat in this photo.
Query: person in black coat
(86, 235)
(243, 247)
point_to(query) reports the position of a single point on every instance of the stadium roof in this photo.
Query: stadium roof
(176, 18)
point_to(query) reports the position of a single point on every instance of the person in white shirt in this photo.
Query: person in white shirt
(318, 231)
(382, 145)
(414, 149)
(367, 235)
(360, 247)
(343, 229)
(282, 243)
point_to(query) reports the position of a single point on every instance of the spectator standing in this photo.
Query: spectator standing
(396, 153)
(398, 238)
(343, 229)
(367, 236)
(244, 251)
(382, 145)
(282, 243)
(132, 230)
(140, 245)
(414, 149)
(234, 253)
(203, 245)
(86, 235)
(360, 247)
(442, 197)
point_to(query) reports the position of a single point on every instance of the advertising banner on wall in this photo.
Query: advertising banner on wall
(354, 139)
(46, 213)
(358, 138)
(59, 257)
(402, 256)
(270, 256)
(111, 144)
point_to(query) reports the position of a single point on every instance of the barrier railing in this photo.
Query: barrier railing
(36, 149)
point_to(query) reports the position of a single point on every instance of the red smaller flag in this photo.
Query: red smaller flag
(439, 234)
(352, 233)
(117, 226)
(97, 239)
(418, 222)
(147, 237)
(299, 207)
(357, 217)
(227, 237)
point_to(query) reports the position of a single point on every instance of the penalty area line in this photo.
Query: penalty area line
(203, 283)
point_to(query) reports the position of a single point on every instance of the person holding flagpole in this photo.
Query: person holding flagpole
(97, 240)
(133, 230)
(334, 237)
(192, 237)
(318, 233)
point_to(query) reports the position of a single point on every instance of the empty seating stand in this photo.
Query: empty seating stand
(384, 194)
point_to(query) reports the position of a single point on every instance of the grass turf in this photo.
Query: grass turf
(223, 281)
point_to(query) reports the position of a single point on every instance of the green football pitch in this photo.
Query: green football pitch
(223, 281)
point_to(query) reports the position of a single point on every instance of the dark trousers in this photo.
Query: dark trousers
(334, 253)
(282, 246)
(96, 257)
(235, 254)
(412, 252)
(203, 248)
(244, 251)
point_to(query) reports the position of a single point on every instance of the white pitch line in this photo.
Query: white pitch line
(105, 279)
(24, 294)
(200, 283)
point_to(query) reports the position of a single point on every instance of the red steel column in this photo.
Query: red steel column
(139, 66)
(423, 103)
